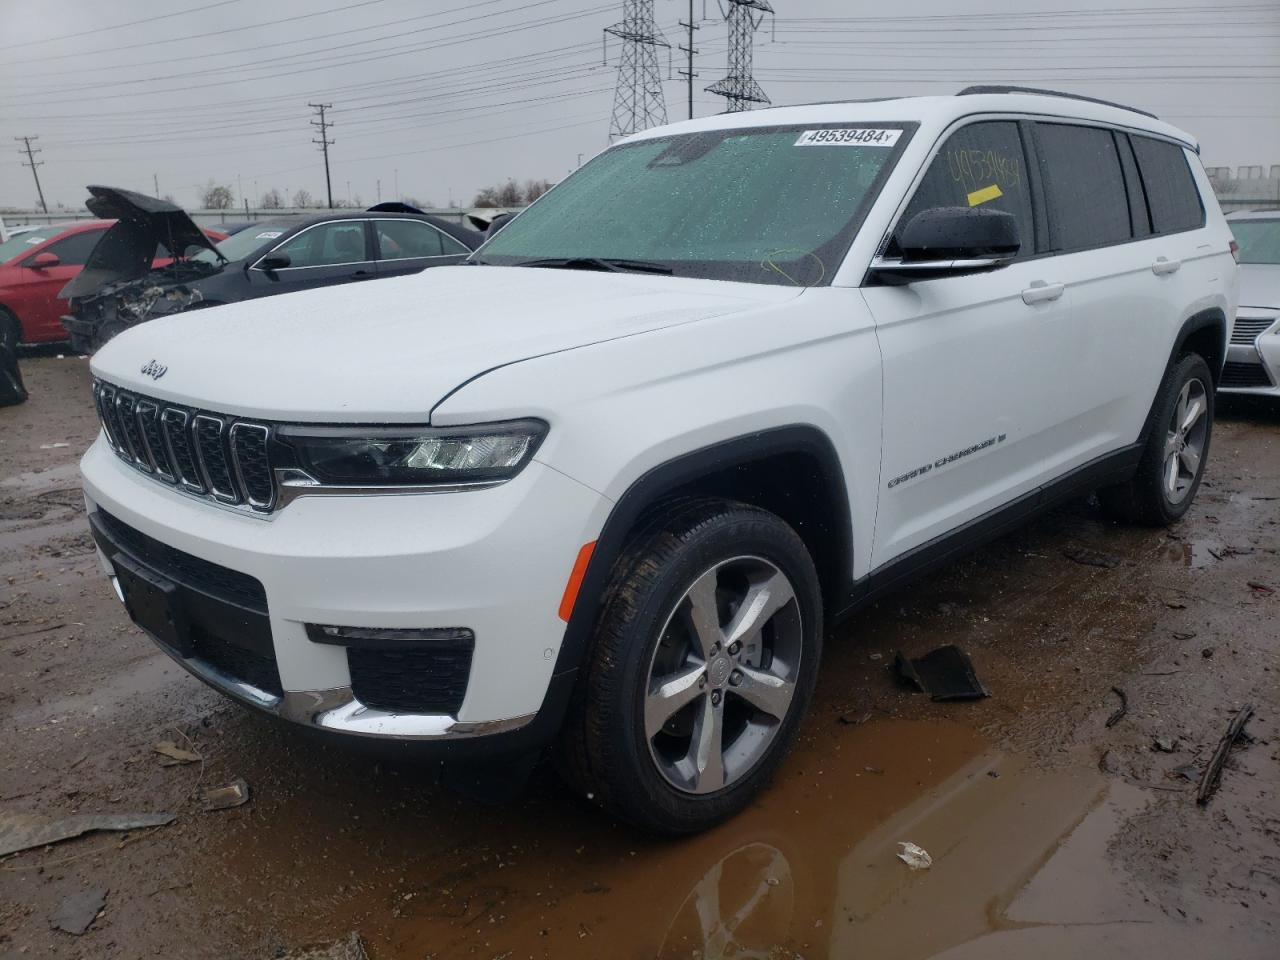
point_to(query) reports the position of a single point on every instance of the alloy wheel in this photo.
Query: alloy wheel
(1184, 446)
(723, 674)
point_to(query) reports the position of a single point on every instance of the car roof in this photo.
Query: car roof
(1254, 215)
(934, 113)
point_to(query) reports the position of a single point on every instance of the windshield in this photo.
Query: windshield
(242, 244)
(17, 246)
(1259, 240)
(768, 205)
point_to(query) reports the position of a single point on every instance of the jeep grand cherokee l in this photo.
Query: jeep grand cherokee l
(731, 379)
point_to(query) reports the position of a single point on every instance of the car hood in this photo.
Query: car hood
(1260, 285)
(126, 251)
(391, 350)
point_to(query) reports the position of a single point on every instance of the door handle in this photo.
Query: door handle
(1163, 266)
(1041, 292)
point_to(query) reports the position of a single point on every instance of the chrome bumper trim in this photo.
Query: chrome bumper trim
(338, 711)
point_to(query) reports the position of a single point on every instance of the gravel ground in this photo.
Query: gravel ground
(1051, 833)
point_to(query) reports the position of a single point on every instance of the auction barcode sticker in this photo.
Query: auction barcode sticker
(849, 137)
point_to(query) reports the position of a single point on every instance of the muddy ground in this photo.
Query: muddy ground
(1051, 834)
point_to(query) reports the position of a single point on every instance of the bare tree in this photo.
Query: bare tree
(168, 198)
(302, 198)
(357, 202)
(510, 195)
(487, 197)
(272, 200)
(215, 196)
(533, 189)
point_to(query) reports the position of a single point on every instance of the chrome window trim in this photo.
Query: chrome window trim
(431, 226)
(323, 223)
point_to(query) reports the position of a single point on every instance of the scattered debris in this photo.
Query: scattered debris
(234, 794)
(1188, 771)
(77, 911)
(1183, 635)
(1165, 744)
(1175, 605)
(917, 858)
(53, 446)
(1091, 558)
(1124, 708)
(1261, 588)
(1212, 775)
(1207, 653)
(172, 755)
(22, 832)
(945, 674)
(350, 947)
(849, 720)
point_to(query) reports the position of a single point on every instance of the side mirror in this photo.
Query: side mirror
(42, 261)
(497, 223)
(951, 241)
(274, 261)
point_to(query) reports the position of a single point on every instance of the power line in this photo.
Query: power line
(325, 143)
(32, 162)
(689, 51)
(117, 26)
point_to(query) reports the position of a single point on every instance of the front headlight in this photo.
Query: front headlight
(414, 456)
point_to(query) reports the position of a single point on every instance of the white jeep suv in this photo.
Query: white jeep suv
(604, 487)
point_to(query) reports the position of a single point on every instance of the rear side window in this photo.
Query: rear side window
(980, 165)
(75, 249)
(1083, 186)
(1171, 190)
(407, 239)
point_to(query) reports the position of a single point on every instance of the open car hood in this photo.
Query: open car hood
(126, 251)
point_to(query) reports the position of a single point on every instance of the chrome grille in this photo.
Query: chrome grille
(203, 454)
(1248, 329)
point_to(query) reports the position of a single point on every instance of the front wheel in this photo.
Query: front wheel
(703, 667)
(10, 330)
(1174, 458)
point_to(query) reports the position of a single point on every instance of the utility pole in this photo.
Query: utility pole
(155, 182)
(325, 143)
(688, 51)
(739, 87)
(637, 100)
(397, 173)
(33, 163)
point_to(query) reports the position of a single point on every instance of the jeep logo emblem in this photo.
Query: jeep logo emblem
(154, 370)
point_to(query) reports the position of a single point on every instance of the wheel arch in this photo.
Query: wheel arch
(1204, 333)
(792, 471)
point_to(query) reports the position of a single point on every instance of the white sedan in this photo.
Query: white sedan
(1253, 356)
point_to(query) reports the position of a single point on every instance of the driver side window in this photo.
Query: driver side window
(980, 165)
(328, 244)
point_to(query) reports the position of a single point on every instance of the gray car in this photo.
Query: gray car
(1253, 356)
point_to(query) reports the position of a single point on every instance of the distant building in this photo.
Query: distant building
(1248, 189)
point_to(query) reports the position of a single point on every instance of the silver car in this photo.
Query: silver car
(1253, 356)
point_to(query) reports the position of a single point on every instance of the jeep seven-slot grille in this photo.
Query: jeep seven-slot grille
(1247, 329)
(204, 454)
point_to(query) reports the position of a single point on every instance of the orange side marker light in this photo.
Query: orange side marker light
(575, 581)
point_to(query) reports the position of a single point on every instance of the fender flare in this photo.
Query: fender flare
(651, 487)
(1194, 323)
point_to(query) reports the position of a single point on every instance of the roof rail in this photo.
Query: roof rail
(997, 88)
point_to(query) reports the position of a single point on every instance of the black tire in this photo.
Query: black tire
(10, 330)
(1145, 498)
(604, 752)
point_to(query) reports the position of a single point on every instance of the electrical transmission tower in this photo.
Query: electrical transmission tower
(638, 102)
(32, 162)
(739, 87)
(325, 143)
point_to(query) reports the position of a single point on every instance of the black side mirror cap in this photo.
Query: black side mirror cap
(274, 261)
(959, 233)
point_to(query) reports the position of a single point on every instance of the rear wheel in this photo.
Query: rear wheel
(703, 667)
(1173, 461)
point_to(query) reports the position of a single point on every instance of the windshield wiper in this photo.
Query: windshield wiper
(610, 264)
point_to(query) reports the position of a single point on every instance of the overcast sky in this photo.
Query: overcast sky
(441, 97)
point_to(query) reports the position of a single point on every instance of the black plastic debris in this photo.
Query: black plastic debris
(945, 674)
(12, 390)
(77, 911)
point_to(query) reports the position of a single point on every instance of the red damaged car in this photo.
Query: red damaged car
(34, 266)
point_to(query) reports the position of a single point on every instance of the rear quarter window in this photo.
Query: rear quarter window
(1171, 189)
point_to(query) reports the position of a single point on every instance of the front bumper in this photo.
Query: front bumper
(494, 561)
(1253, 359)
